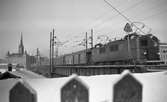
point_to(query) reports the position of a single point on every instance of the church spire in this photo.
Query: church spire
(21, 41)
(21, 46)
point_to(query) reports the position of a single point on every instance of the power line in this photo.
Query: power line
(123, 15)
(153, 7)
(129, 8)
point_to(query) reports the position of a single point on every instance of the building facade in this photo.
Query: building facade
(21, 58)
(163, 52)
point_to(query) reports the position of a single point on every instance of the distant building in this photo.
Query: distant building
(163, 52)
(21, 58)
(39, 60)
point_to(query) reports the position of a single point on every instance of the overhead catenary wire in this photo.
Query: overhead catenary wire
(126, 9)
(155, 7)
(131, 7)
(123, 15)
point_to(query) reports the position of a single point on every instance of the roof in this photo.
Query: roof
(26, 74)
(20, 74)
(100, 87)
(15, 55)
(7, 75)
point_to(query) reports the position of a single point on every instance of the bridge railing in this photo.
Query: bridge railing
(125, 89)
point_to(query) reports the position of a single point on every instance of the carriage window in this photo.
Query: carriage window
(102, 50)
(114, 48)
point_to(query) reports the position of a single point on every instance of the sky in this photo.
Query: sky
(71, 19)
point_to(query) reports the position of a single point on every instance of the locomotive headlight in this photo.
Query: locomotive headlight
(158, 53)
(145, 53)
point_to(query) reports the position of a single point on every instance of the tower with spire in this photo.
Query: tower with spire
(21, 46)
(21, 58)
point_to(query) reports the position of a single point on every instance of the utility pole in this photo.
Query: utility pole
(86, 41)
(38, 57)
(91, 38)
(50, 54)
(56, 51)
(138, 48)
(53, 44)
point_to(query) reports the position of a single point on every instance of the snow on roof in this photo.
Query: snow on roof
(25, 84)
(74, 76)
(27, 74)
(100, 87)
(22, 74)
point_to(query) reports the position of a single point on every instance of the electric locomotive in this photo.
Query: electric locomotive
(132, 49)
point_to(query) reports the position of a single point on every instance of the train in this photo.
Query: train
(131, 49)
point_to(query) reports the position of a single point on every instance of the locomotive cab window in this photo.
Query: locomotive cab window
(143, 42)
(114, 48)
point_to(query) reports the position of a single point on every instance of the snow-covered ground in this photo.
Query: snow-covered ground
(100, 87)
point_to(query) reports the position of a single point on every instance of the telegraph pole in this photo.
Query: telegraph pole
(53, 44)
(38, 57)
(91, 38)
(86, 41)
(56, 51)
(138, 48)
(50, 54)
